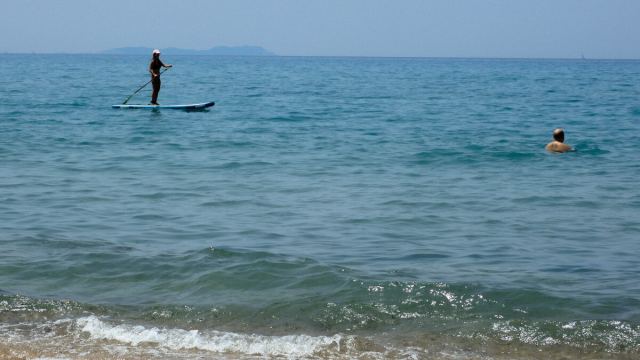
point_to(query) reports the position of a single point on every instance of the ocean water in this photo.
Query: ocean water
(325, 208)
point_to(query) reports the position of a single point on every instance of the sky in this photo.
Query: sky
(403, 28)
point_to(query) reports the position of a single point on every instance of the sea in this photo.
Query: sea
(324, 208)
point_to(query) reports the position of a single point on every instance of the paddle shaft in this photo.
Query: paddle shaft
(142, 87)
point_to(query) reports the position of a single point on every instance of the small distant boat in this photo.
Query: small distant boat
(187, 107)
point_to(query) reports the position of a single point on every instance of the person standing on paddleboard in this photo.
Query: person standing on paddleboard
(154, 69)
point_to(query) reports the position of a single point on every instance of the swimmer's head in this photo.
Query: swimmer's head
(558, 135)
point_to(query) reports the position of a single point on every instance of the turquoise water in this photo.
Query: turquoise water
(324, 208)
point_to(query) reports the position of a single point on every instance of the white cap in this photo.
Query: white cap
(156, 51)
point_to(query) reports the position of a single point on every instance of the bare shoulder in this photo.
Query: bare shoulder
(556, 146)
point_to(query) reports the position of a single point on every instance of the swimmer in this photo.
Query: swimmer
(558, 145)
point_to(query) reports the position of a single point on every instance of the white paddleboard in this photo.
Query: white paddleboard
(200, 106)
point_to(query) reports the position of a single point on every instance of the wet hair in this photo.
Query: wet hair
(558, 135)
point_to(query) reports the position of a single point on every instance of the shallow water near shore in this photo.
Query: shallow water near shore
(324, 208)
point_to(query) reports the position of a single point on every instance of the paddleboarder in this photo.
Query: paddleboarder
(154, 69)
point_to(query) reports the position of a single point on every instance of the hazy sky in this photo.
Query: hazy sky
(465, 28)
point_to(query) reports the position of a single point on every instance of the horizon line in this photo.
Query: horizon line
(338, 56)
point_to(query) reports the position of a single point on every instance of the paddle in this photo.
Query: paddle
(142, 87)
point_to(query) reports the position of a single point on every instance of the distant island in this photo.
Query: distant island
(218, 50)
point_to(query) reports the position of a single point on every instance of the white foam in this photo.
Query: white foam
(179, 339)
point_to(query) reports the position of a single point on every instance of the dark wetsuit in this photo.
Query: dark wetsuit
(154, 68)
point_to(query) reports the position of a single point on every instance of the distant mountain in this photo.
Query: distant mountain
(218, 50)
